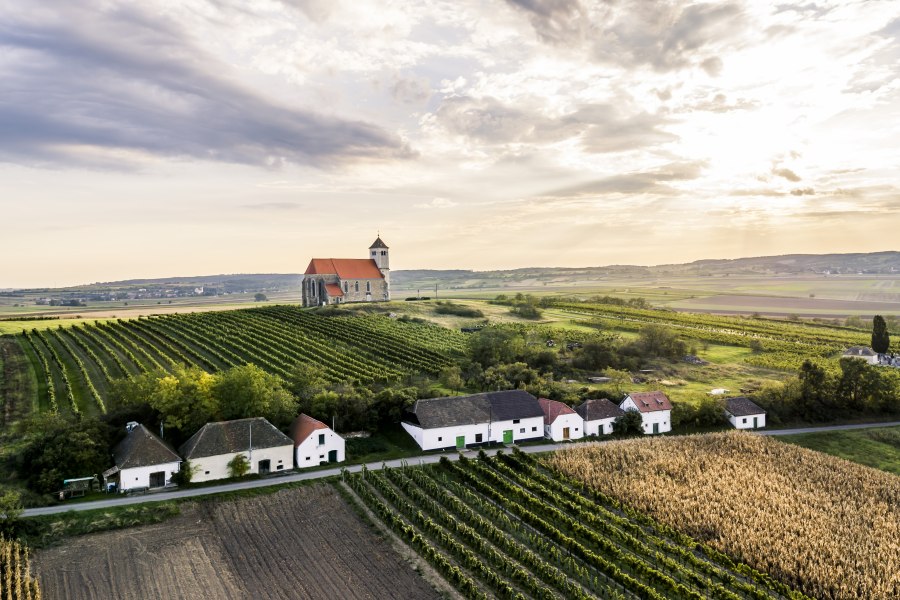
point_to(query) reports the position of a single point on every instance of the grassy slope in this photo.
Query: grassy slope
(878, 447)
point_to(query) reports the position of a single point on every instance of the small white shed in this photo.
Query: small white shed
(743, 413)
(599, 414)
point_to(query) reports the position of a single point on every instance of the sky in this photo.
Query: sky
(162, 137)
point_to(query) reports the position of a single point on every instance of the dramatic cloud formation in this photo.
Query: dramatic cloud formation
(236, 136)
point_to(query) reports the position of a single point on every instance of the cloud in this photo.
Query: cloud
(785, 173)
(110, 87)
(438, 203)
(275, 206)
(644, 182)
(554, 21)
(713, 66)
(803, 192)
(411, 90)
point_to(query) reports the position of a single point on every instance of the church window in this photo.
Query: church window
(368, 287)
(374, 253)
(356, 286)
(384, 252)
(346, 287)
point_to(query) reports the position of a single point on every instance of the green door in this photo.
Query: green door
(332, 456)
(656, 428)
(460, 441)
(507, 436)
(755, 424)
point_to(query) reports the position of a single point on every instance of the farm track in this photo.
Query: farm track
(296, 544)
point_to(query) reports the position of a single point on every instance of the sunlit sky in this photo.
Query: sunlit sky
(163, 137)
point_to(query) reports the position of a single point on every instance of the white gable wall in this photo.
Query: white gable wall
(746, 422)
(662, 418)
(555, 430)
(208, 468)
(139, 477)
(314, 449)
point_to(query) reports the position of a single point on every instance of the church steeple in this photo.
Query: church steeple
(379, 252)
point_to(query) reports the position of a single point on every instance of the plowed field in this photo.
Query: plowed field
(302, 543)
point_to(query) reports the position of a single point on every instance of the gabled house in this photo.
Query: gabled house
(216, 444)
(598, 415)
(142, 461)
(862, 353)
(743, 413)
(458, 421)
(560, 421)
(315, 443)
(655, 409)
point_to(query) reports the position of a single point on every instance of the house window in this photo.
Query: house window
(321, 438)
(534, 428)
(308, 457)
(279, 467)
(206, 473)
(744, 421)
(516, 421)
(478, 438)
(440, 439)
(356, 286)
(522, 430)
(321, 456)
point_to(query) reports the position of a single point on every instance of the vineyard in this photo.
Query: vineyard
(780, 344)
(16, 582)
(77, 364)
(508, 527)
(824, 525)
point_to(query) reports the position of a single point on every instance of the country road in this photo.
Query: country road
(304, 476)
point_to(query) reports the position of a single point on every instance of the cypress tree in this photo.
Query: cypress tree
(881, 341)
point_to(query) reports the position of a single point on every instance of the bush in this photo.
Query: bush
(449, 308)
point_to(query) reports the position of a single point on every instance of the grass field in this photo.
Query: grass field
(877, 447)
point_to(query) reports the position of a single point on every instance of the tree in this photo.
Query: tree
(881, 341)
(184, 475)
(238, 466)
(260, 297)
(630, 422)
(248, 391)
(494, 345)
(656, 340)
(451, 378)
(619, 380)
(184, 399)
(10, 511)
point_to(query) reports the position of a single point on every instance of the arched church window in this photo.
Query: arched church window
(368, 287)
(346, 287)
(357, 286)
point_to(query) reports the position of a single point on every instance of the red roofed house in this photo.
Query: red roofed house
(315, 443)
(560, 421)
(338, 280)
(655, 409)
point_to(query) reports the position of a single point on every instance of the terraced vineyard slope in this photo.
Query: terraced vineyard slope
(509, 527)
(825, 525)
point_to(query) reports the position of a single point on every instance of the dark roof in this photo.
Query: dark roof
(141, 448)
(599, 408)
(477, 408)
(859, 351)
(227, 437)
(378, 244)
(650, 401)
(742, 407)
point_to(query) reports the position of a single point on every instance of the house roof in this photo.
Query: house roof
(859, 351)
(228, 437)
(599, 408)
(650, 401)
(333, 290)
(303, 427)
(378, 244)
(554, 408)
(141, 448)
(742, 407)
(433, 413)
(345, 268)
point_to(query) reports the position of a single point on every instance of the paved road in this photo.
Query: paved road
(307, 475)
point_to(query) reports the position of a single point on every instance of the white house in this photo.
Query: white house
(459, 421)
(598, 415)
(743, 413)
(560, 421)
(143, 461)
(861, 352)
(315, 443)
(655, 409)
(216, 444)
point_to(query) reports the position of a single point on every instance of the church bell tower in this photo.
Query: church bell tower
(380, 253)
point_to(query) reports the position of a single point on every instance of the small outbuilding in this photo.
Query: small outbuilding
(315, 443)
(598, 415)
(743, 413)
(862, 353)
(655, 409)
(211, 449)
(561, 423)
(143, 461)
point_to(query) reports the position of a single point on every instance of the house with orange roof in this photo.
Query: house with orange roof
(655, 409)
(561, 423)
(340, 280)
(315, 443)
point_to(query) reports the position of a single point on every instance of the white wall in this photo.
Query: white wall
(281, 458)
(139, 477)
(311, 453)
(662, 417)
(574, 422)
(599, 426)
(525, 429)
(746, 422)
(445, 437)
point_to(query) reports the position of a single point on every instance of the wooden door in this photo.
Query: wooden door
(565, 433)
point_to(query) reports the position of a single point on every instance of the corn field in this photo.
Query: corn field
(820, 524)
(16, 582)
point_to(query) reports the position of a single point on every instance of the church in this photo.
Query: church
(339, 280)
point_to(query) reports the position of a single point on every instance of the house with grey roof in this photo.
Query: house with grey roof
(142, 461)
(862, 353)
(458, 421)
(599, 414)
(743, 413)
(211, 449)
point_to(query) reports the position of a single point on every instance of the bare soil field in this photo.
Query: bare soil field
(777, 306)
(300, 543)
